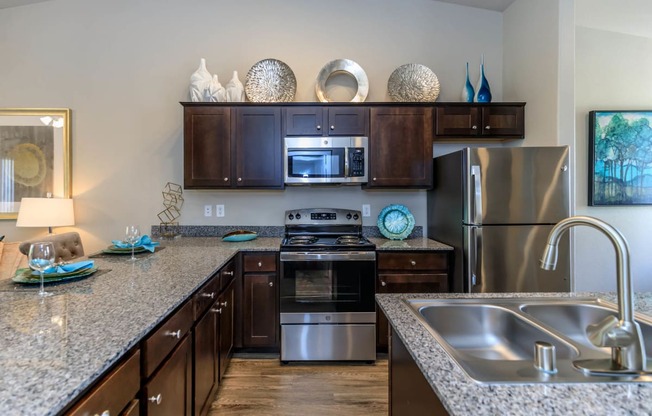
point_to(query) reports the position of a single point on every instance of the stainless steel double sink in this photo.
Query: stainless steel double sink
(493, 339)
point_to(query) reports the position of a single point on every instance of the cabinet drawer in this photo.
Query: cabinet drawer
(115, 392)
(206, 295)
(424, 260)
(259, 262)
(412, 283)
(158, 345)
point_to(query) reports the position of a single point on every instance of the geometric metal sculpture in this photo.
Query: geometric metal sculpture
(173, 201)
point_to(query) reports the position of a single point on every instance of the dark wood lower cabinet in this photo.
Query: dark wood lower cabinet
(169, 391)
(260, 310)
(226, 303)
(410, 393)
(205, 363)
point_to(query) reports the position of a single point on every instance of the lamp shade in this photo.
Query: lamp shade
(45, 212)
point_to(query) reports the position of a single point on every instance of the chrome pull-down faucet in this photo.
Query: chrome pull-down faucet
(623, 335)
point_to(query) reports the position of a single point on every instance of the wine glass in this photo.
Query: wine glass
(41, 257)
(132, 235)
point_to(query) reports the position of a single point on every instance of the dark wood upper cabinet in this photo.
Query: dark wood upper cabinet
(400, 147)
(326, 121)
(494, 121)
(258, 147)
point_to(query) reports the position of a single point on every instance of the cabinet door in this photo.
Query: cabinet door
(206, 147)
(226, 304)
(457, 121)
(503, 121)
(348, 121)
(400, 147)
(169, 391)
(259, 156)
(260, 311)
(304, 121)
(205, 363)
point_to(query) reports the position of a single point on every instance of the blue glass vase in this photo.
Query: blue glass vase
(467, 92)
(483, 92)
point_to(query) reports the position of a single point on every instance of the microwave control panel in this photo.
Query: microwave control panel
(356, 161)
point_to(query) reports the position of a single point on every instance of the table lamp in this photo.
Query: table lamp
(45, 212)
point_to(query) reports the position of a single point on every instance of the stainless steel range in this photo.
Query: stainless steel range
(327, 287)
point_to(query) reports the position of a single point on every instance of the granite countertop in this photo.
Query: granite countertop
(410, 244)
(53, 349)
(463, 396)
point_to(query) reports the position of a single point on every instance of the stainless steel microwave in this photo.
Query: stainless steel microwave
(325, 160)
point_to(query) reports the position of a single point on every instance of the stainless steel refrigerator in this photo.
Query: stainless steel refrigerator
(495, 206)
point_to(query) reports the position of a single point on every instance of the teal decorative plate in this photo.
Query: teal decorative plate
(240, 235)
(395, 222)
(25, 276)
(122, 250)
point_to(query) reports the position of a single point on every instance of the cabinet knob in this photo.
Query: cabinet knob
(260, 264)
(226, 179)
(474, 127)
(225, 304)
(412, 262)
(216, 310)
(104, 413)
(374, 179)
(239, 179)
(318, 127)
(487, 127)
(226, 273)
(208, 295)
(271, 284)
(383, 283)
(174, 334)
(156, 399)
(332, 127)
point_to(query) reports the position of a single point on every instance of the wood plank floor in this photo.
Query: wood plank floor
(264, 387)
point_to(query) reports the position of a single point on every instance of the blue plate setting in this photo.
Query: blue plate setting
(395, 222)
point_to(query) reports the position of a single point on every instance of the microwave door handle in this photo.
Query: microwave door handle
(346, 162)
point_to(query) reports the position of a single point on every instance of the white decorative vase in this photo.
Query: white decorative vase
(199, 82)
(235, 90)
(215, 93)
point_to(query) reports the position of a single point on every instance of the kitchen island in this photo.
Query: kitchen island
(54, 348)
(460, 395)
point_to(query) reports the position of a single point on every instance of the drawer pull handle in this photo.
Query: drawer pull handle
(216, 310)
(383, 283)
(474, 127)
(225, 304)
(228, 273)
(412, 262)
(174, 334)
(260, 264)
(156, 399)
(226, 179)
(488, 127)
(271, 284)
(208, 295)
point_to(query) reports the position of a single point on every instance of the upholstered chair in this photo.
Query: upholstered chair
(67, 246)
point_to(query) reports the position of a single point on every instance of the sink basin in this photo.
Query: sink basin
(492, 339)
(571, 319)
(490, 332)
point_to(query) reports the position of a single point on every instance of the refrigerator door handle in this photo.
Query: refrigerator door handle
(477, 194)
(474, 258)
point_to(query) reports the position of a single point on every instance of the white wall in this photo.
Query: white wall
(614, 71)
(123, 66)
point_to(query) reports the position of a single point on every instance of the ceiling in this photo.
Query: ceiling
(497, 5)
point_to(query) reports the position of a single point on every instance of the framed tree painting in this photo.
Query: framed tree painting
(35, 156)
(620, 157)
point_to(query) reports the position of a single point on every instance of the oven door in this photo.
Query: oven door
(327, 283)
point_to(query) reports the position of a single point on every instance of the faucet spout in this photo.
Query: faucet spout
(624, 337)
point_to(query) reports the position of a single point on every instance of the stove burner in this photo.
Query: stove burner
(349, 240)
(302, 240)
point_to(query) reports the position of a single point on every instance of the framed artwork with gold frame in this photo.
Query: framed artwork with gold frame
(35, 156)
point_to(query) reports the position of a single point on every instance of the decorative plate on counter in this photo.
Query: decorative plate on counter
(240, 235)
(26, 276)
(395, 222)
(122, 250)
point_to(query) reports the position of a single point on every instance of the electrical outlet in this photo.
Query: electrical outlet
(208, 210)
(219, 210)
(366, 210)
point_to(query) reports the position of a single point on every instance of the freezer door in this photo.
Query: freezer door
(506, 259)
(519, 185)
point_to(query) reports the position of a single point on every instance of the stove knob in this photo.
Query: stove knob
(290, 217)
(348, 216)
(355, 217)
(298, 216)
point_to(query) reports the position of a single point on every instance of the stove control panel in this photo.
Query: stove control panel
(323, 216)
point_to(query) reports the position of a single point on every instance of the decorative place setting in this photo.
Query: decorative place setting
(133, 244)
(58, 273)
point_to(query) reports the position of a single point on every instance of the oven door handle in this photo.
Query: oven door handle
(329, 256)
